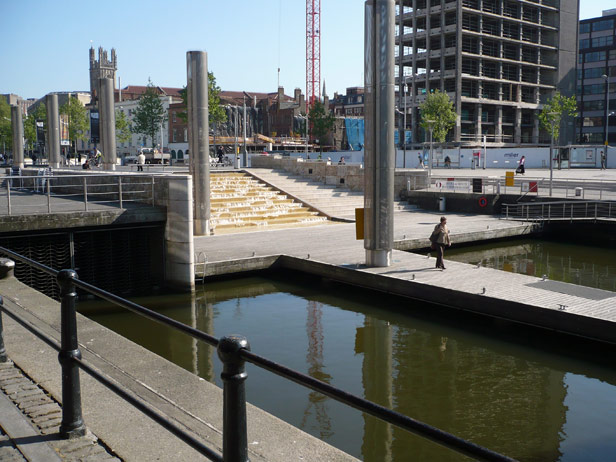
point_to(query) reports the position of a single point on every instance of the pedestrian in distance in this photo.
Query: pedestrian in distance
(439, 240)
(521, 168)
(421, 163)
(86, 165)
(140, 161)
(603, 160)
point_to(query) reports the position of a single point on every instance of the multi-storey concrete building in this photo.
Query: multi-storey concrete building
(596, 67)
(498, 60)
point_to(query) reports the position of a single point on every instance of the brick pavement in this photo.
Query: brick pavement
(44, 416)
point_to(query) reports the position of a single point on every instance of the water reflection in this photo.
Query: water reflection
(584, 265)
(429, 364)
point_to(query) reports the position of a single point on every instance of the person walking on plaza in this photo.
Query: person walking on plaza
(521, 168)
(440, 240)
(603, 160)
(140, 161)
(420, 164)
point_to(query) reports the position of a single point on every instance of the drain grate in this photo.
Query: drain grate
(570, 289)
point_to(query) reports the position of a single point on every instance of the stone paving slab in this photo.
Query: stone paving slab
(29, 424)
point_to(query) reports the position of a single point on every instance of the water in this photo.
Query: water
(489, 383)
(583, 264)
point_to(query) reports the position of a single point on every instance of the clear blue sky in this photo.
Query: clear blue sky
(45, 43)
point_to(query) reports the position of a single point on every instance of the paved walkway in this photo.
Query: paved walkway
(29, 424)
(550, 304)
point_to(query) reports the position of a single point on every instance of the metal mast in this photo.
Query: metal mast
(313, 51)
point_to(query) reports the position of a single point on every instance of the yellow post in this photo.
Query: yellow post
(359, 224)
(509, 178)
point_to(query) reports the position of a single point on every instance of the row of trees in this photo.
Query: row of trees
(437, 112)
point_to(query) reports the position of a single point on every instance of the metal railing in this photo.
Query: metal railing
(561, 210)
(233, 351)
(566, 187)
(61, 193)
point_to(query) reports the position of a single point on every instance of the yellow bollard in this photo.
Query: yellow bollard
(359, 224)
(509, 178)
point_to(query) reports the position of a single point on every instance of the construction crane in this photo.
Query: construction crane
(313, 51)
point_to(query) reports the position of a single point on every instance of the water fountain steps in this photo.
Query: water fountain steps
(240, 202)
(333, 200)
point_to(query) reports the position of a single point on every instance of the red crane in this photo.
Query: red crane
(313, 51)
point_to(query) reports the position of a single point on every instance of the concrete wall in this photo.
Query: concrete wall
(331, 173)
(172, 192)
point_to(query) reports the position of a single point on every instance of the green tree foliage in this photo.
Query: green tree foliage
(437, 110)
(78, 125)
(321, 122)
(30, 124)
(149, 114)
(554, 110)
(123, 128)
(6, 133)
(217, 113)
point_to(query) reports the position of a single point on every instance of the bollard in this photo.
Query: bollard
(3, 357)
(234, 437)
(72, 425)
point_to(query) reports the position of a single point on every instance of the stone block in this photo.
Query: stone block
(179, 210)
(179, 231)
(180, 252)
(180, 275)
(180, 188)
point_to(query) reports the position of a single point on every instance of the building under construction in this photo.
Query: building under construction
(498, 60)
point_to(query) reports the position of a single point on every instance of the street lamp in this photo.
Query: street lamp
(406, 88)
(552, 116)
(430, 123)
(607, 109)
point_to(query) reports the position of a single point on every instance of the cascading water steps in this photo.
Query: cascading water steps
(240, 202)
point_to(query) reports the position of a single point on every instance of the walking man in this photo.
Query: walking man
(440, 240)
(140, 161)
(603, 160)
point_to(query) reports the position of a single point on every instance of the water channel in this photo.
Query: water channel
(524, 393)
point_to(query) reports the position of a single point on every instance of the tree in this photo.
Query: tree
(554, 110)
(123, 128)
(149, 114)
(321, 122)
(30, 124)
(5, 125)
(437, 111)
(77, 120)
(217, 113)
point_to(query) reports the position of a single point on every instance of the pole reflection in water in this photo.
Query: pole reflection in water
(475, 377)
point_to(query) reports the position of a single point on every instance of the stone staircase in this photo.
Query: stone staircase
(334, 201)
(240, 202)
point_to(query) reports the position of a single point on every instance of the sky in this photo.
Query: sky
(44, 44)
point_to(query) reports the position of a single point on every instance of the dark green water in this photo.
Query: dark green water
(591, 265)
(487, 383)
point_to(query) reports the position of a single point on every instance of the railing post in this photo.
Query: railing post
(120, 190)
(152, 191)
(8, 195)
(85, 192)
(72, 425)
(234, 436)
(3, 357)
(48, 182)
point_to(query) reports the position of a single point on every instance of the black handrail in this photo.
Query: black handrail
(233, 351)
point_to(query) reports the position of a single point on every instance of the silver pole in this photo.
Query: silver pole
(107, 123)
(236, 156)
(199, 142)
(18, 136)
(551, 154)
(607, 111)
(53, 131)
(485, 151)
(430, 157)
(244, 124)
(380, 159)
(404, 125)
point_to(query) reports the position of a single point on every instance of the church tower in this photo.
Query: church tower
(100, 69)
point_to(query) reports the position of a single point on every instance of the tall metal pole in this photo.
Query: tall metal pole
(236, 155)
(245, 162)
(53, 130)
(199, 142)
(607, 110)
(18, 136)
(551, 155)
(380, 156)
(107, 123)
(404, 127)
(430, 156)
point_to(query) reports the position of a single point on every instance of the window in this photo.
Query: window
(598, 105)
(595, 56)
(174, 117)
(175, 134)
(601, 41)
(185, 135)
(585, 43)
(585, 28)
(594, 73)
(593, 122)
(603, 25)
(595, 89)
